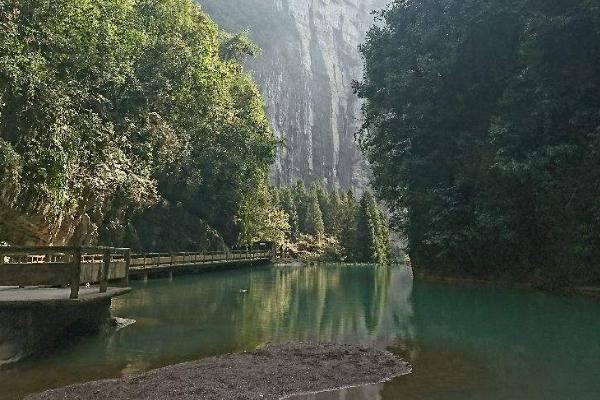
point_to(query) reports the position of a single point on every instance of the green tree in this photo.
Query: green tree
(261, 219)
(333, 224)
(324, 197)
(481, 125)
(358, 231)
(371, 243)
(288, 205)
(300, 200)
(347, 217)
(237, 47)
(114, 111)
(314, 217)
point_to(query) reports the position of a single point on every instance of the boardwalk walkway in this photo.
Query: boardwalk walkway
(100, 267)
(47, 291)
(153, 263)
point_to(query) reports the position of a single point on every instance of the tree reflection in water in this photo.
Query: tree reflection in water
(329, 304)
(197, 316)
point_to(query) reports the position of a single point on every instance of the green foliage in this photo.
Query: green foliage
(371, 242)
(261, 218)
(10, 164)
(300, 199)
(312, 249)
(288, 205)
(354, 232)
(237, 47)
(113, 106)
(332, 218)
(164, 227)
(314, 217)
(346, 229)
(326, 207)
(483, 130)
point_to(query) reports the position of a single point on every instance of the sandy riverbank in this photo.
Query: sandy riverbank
(275, 372)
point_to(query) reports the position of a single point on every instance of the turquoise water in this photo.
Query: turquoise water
(464, 342)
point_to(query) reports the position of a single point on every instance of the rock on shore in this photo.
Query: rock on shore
(274, 372)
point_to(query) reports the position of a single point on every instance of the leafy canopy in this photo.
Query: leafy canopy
(108, 107)
(482, 124)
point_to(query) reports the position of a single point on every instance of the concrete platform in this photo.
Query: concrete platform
(33, 319)
(15, 296)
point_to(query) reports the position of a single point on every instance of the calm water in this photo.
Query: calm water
(463, 342)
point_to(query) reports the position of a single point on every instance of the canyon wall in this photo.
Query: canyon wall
(308, 61)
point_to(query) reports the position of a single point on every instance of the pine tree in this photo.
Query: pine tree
(275, 196)
(363, 234)
(286, 200)
(333, 223)
(359, 228)
(325, 205)
(371, 243)
(346, 225)
(385, 252)
(314, 217)
(299, 197)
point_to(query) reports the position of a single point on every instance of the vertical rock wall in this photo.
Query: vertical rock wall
(308, 61)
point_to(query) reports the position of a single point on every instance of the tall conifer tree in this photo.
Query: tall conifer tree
(332, 225)
(299, 196)
(314, 217)
(289, 206)
(325, 206)
(346, 223)
(371, 242)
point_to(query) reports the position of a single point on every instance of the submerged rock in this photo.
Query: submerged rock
(274, 372)
(120, 323)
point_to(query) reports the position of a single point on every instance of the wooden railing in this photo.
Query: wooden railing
(64, 266)
(75, 266)
(154, 260)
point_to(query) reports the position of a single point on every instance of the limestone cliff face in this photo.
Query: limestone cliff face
(28, 221)
(308, 61)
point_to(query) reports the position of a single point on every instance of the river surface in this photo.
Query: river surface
(464, 342)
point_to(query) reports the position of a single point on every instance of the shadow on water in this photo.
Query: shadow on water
(463, 342)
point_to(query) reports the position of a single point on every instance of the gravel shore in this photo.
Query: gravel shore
(271, 373)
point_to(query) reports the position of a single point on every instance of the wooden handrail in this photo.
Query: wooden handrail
(62, 265)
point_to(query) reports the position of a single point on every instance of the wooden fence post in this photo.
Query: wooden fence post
(105, 271)
(125, 281)
(76, 273)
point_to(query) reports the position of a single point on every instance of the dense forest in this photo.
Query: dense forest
(129, 123)
(482, 124)
(134, 124)
(329, 225)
